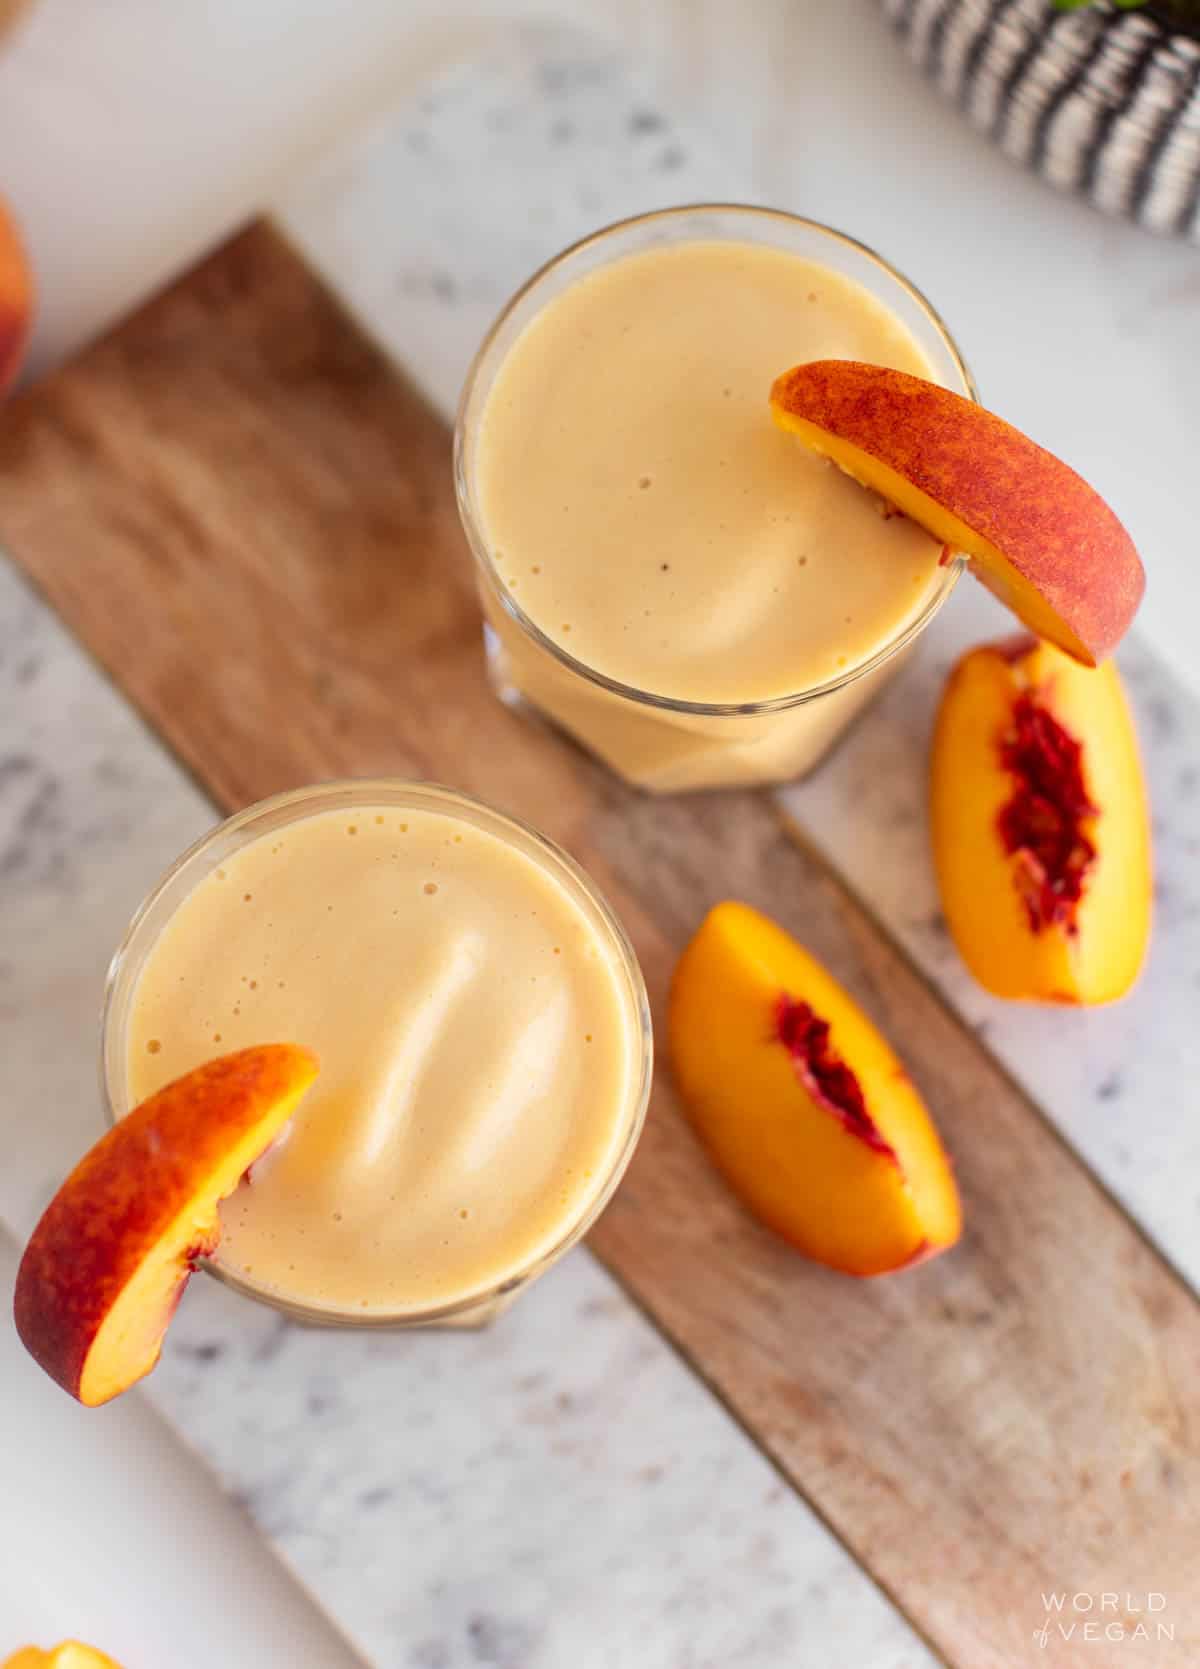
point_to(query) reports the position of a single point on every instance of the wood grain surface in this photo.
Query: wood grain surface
(247, 515)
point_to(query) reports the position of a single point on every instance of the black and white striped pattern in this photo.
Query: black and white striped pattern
(1101, 102)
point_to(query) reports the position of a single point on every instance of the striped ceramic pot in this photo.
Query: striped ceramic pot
(1099, 101)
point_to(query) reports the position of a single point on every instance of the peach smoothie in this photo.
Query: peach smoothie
(478, 1019)
(698, 598)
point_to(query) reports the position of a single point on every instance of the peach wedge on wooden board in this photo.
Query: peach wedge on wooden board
(801, 1102)
(72, 1654)
(1041, 831)
(16, 300)
(1037, 535)
(108, 1262)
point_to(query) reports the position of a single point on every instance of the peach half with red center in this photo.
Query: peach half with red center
(801, 1102)
(108, 1262)
(1037, 535)
(1040, 825)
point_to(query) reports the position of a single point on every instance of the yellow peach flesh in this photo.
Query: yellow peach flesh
(72, 1654)
(1095, 957)
(103, 1270)
(1037, 534)
(129, 1340)
(989, 563)
(862, 1207)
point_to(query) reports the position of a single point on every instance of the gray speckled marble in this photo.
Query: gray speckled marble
(556, 1490)
(91, 809)
(88, 1494)
(430, 219)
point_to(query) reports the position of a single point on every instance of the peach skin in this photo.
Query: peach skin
(1041, 832)
(1038, 536)
(16, 300)
(802, 1104)
(72, 1654)
(109, 1260)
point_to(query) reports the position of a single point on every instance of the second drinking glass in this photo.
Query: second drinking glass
(479, 1017)
(664, 573)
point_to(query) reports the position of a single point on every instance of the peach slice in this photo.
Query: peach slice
(16, 300)
(72, 1654)
(1037, 534)
(1041, 832)
(801, 1102)
(109, 1260)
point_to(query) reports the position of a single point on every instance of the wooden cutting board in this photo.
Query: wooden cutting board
(246, 513)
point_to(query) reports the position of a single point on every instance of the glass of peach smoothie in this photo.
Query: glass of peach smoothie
(663, 572)
(480, 1021)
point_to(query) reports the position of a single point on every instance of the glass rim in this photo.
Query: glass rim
(414, 794)
(480, 550)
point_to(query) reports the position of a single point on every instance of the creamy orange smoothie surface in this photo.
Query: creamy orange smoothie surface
(642, 507)
(479, 1052)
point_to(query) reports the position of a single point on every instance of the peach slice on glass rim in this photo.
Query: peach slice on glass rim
(108, 1262)
(1038, 536)
(1040, 825)
(801, 1102)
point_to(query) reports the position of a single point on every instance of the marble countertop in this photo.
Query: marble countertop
(491, 1498)
(70, 1565)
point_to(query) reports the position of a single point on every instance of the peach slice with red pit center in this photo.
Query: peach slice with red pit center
(1038, 536)
(801, 1102)
(1041, 831)
(72, 1654)
(108, 1262)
